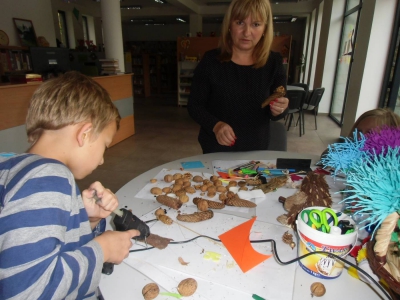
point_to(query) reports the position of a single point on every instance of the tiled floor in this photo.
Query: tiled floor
(165, 132)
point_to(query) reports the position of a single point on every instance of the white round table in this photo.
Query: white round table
(127, 283)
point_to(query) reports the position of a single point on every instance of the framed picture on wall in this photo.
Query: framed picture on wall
(26, 32)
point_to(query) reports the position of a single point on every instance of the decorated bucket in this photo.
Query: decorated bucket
(310, 240)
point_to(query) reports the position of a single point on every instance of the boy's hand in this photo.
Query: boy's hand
(116, 244)
(101, 209)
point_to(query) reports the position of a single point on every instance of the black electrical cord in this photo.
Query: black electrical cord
(286, 262)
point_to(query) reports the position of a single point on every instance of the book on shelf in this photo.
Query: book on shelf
(25, 78)
(109, 66)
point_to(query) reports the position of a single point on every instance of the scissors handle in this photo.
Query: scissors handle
(309, 222)
(323, 223)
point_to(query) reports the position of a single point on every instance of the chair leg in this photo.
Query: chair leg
(290, 121)
(315, 118)
(302, 120)
(300, 127)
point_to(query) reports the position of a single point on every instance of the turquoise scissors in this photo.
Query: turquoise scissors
(320, 219)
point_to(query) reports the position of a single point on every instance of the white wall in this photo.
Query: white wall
(378, 50)
(38, 11)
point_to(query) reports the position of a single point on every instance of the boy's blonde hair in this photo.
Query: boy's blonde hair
(67, 100)
(240, 10)
(383, 116)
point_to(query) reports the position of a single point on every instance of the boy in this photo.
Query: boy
(47, 247)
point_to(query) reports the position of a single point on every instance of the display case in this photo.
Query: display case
(185, 75)
(141, 75)
(14, 60)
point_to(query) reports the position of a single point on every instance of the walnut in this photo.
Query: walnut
(187, 287)
(156, 191)
(177, 176)
(202, 205)
(197, 178)
(218, 182)
(221, 189)
(317, 289)
(184, 198)
(179, 181)
(168, 178)
(150, 291)
(214, 178)
(167, 190)
(159, 212)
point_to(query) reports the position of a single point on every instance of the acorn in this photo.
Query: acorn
(317, 289)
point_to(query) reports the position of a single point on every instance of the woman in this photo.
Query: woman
(230, 83)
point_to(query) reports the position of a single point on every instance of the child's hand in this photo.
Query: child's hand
(103, 208)
(116, 244)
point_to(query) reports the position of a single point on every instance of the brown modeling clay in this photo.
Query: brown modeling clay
(279, 92)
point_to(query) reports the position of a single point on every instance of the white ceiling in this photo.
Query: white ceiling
(210, 10)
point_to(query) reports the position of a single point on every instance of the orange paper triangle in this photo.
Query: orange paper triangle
(237, 242)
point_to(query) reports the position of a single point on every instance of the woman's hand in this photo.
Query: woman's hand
(224, 134)
(278, 106)
(101, 209)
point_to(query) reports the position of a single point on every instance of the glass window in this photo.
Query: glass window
(62, 25)
(85, 28)
(352, 3)
(390, 96)
(343, 67)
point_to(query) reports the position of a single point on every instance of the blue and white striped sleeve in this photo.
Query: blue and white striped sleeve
(46, 243)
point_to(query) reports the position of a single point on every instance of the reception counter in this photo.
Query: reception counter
(14, 101)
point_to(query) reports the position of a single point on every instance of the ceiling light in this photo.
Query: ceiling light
(131, 7)
(217, 3)
(293, 19)
(142, 20)
(160, 1)
(180, 20)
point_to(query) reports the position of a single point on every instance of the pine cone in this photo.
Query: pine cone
(169, 201)
(196, 217)
(211, 204)
(165, 219)
(236, 201)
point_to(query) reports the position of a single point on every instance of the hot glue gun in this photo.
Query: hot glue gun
(124, 220)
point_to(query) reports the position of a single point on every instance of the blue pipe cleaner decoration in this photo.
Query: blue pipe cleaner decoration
(375, 186)
(343, 156)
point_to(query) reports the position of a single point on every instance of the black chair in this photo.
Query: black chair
(312, 103)
(277, 136)
(302, 85)
(296, 101)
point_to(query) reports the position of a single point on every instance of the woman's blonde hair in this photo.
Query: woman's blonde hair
(383, 116)
(240, 10)
(67, 100)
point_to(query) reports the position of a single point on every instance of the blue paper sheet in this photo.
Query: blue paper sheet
(192, 164)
